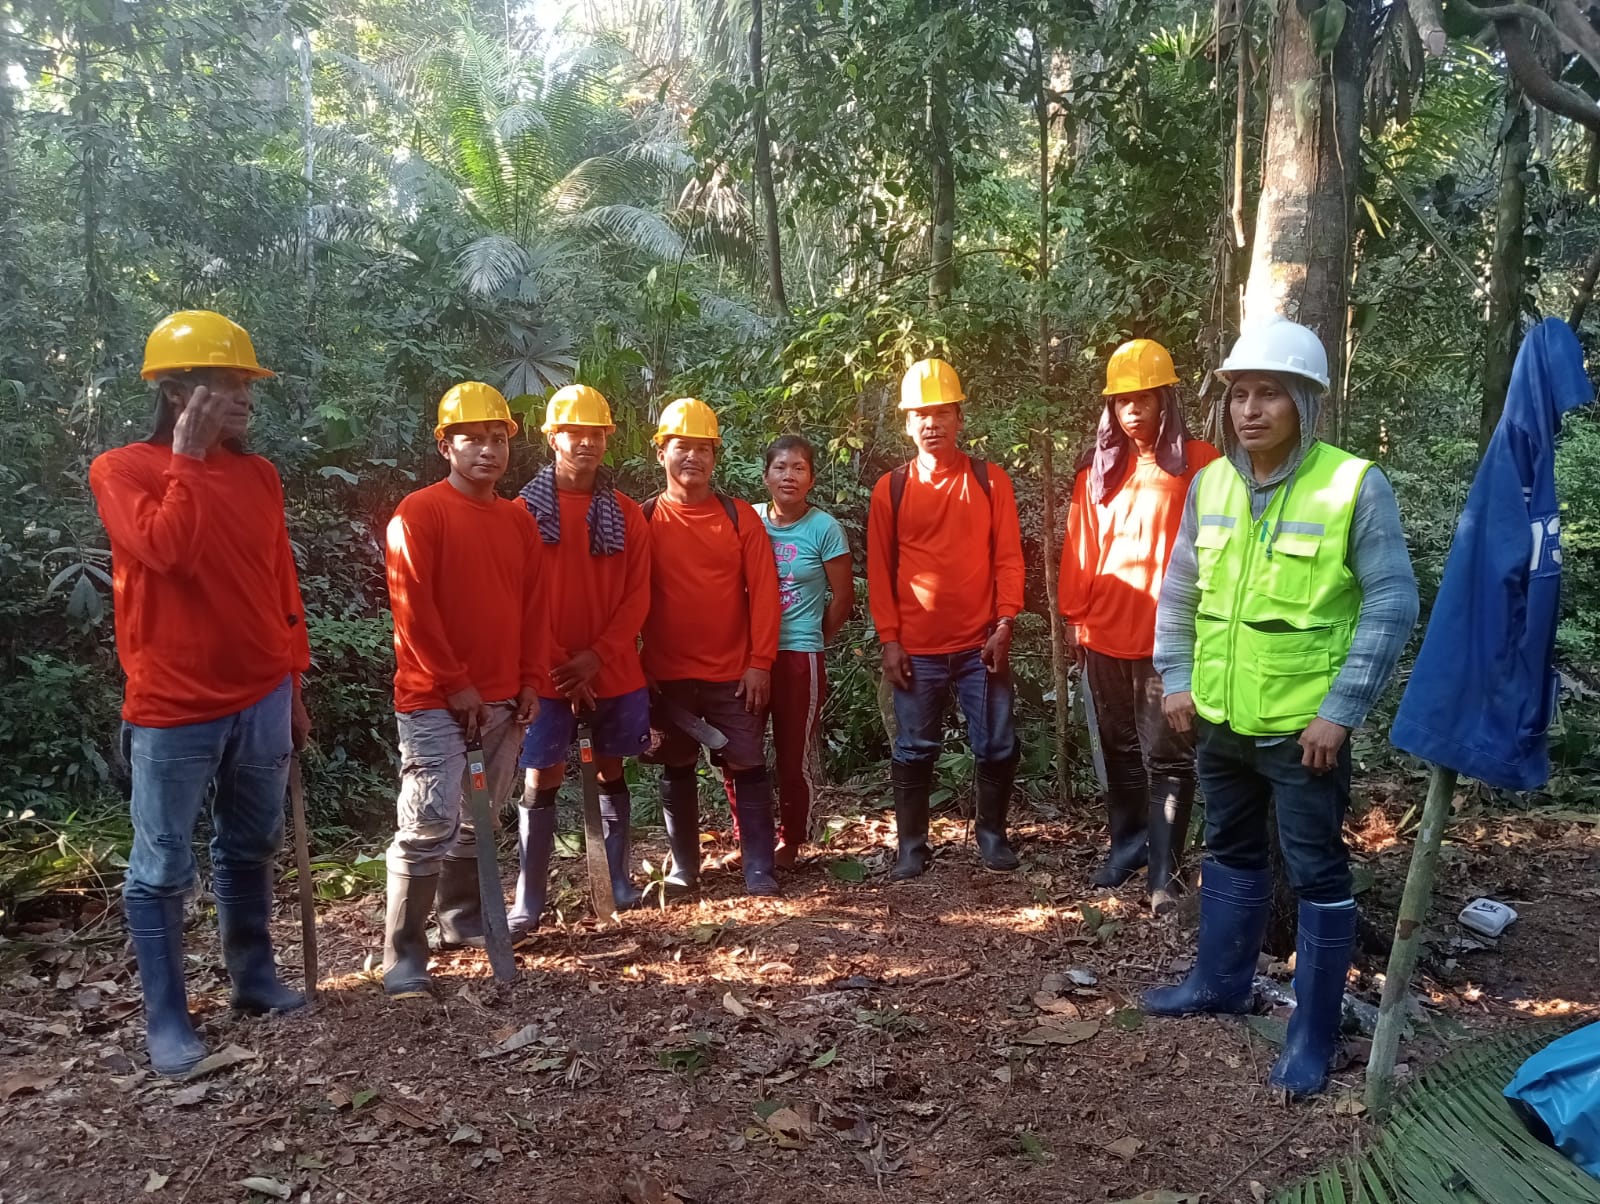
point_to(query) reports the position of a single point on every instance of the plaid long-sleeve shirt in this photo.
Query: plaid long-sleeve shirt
(1381, 564)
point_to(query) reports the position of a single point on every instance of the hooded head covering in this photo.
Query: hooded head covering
(1307, 402)
(1114, 451)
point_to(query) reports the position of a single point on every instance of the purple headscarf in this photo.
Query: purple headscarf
(1114, 451)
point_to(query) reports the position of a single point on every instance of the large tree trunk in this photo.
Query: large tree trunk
(769, 193)
(1508, 268)
(941, 160)
(1300, 260)
(10, 204)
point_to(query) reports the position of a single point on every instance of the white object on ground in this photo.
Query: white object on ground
(1487, 918)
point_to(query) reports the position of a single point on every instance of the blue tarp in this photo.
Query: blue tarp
(1482, 693)
(1560, 1085)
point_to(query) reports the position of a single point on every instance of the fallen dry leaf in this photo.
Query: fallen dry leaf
(187, 1096)
(641, 1187)
(1124, 1147)
(526, 1035)
(229, 1055)
(1349, 1104)
(267, 1187)
(1055, 1005)
(1163, 1197)
(1069, 1032)
(25, 1080)
(734, 1006)
(466, 1135)
(155, 1181)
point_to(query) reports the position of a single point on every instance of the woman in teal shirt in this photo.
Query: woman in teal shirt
(817, 590)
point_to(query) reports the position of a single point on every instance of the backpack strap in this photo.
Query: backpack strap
(728, 508)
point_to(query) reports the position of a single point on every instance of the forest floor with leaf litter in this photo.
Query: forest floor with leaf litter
(965, 1037)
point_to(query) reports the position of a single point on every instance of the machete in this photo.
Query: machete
(594, 832)
(1092, 723)
(496, 936)
(691, 725)
(302, 864)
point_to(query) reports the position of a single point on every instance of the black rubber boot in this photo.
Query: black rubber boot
(536, 841)
(616, 819)
(757, 832)
(460, 905)
(913, 783)
(1127, 813)
(994, 783)
(244, 906)
(1171, 802)
(405, 935)
(680, 808)
(156, 929)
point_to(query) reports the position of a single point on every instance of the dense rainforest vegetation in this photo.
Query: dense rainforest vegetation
(770, 204)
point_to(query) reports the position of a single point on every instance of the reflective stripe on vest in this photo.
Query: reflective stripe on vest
(1278, 602)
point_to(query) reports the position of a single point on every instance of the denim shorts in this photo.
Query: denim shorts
(621, 729)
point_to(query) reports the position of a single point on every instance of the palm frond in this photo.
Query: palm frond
(633, 227)
(1455, 1140)
(486, 265)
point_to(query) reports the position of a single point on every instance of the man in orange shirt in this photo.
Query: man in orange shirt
(709, 644)
(944, 584)
(466, 584)
(211, 633)
(599, 572)
(1127, 503)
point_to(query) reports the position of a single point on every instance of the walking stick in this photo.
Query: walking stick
(302, 862)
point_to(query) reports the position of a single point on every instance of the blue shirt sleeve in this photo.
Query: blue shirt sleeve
(831, 543)
(1175, 611)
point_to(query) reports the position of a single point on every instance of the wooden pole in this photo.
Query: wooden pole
(1414, 905)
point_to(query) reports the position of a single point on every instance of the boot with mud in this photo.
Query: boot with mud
(156, 928)
(1233, 919)
(244, 909)
(1171, 803)
(405, 935)
(994, 785)
(1127, 812)
(913, 784)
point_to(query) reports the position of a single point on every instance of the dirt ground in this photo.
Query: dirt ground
(965, 1037)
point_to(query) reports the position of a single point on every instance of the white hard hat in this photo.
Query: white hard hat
(1279, 345)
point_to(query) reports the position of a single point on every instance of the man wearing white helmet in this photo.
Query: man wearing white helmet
(1286, 604)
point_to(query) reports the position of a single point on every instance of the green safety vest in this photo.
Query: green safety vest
(1278, 603)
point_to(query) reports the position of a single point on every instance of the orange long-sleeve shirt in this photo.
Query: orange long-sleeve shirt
(947, 591)
(714, 608)
(1116, 554)
(467, 587)
(598, 603)
(208, 612)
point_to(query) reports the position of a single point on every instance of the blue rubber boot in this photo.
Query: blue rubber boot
(758, 834)
(1233, 919)
(156, 928)
(536, 840)
(616, 818)
(680, 808)
(1321, 964)
(244, 905)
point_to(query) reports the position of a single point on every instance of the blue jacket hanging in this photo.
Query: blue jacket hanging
(1482, 694)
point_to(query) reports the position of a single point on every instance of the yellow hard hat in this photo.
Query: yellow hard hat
(473, 401)
(1137, 365)
(577, 405)
(198, 338)
(688, 418)
(929, 383)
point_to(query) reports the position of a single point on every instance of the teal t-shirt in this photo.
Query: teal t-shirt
(801, 550)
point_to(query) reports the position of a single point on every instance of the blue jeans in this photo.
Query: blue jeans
(985, 700)
(245, 757)
(1241, 777)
